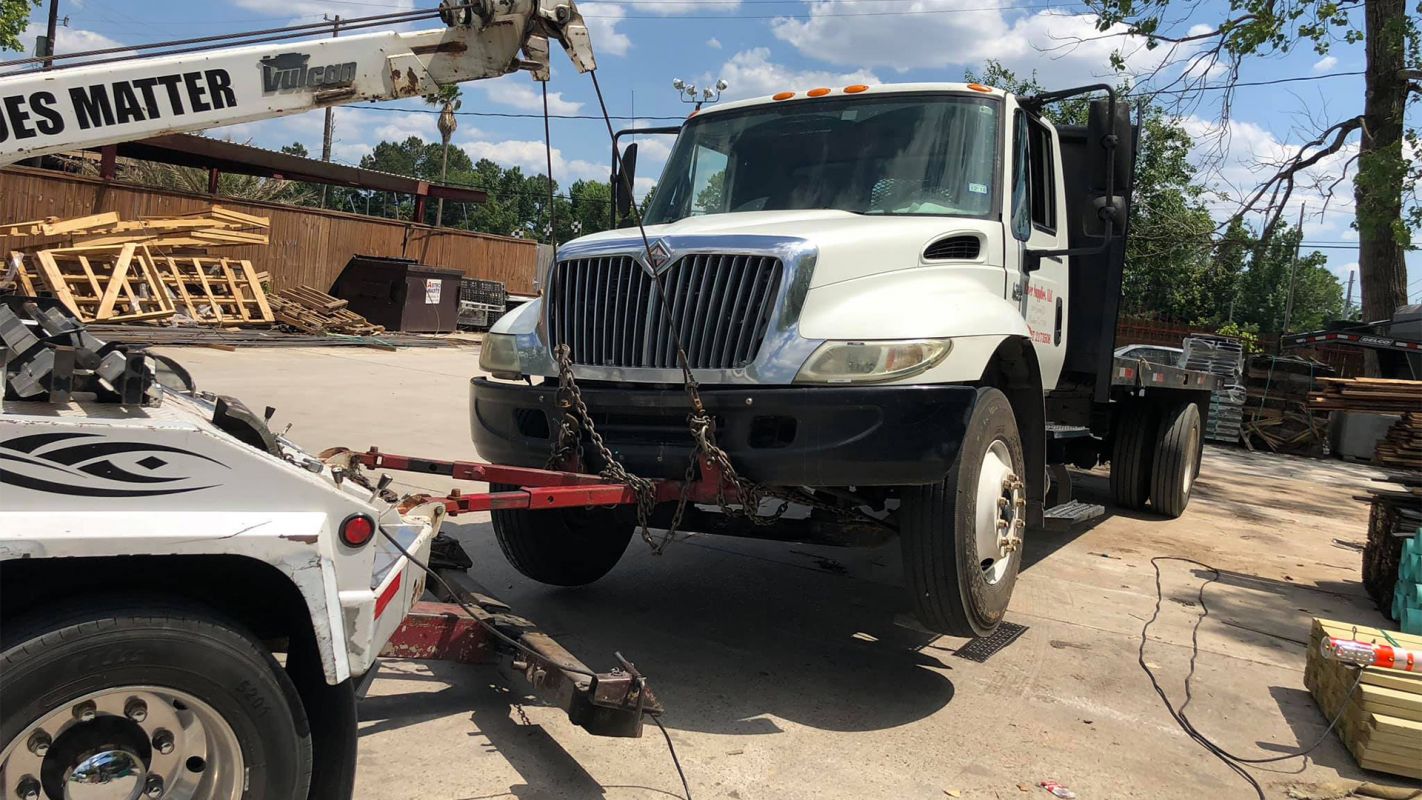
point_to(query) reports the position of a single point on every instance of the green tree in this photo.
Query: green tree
(296, 149)
(446, 99)
(1385, 180)
(14, 16)
(708, 200)
(1264, 287)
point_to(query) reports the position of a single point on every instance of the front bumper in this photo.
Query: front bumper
(782, 436)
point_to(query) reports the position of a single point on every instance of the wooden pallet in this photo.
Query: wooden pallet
(215, 291)
(1402, 445)
(106, 284)
(309, 310)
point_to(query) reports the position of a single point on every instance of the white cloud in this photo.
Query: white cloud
(602, 19)
(69, 40)
(671, 9)
(529, 155)
(1066, 48)
(1325, 64)
(519, 91)
(751, 73)
(713, 43)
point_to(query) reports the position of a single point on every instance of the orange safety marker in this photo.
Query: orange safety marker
(1362, 654)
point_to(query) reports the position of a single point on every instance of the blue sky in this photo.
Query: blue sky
(763, 46)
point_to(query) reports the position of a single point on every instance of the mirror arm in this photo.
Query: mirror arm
(1034, 257)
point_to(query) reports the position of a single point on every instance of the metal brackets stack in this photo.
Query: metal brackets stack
(48, 356)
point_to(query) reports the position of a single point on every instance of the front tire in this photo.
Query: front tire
(1177, 460)
(962, 537)
(138, 694)
(561, 547)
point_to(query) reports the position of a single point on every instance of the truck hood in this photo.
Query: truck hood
(850, 245)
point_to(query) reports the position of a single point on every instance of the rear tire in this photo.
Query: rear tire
(235, 723)
(961, 581)
(1133, 453)
(561, 547)
(1177, 460)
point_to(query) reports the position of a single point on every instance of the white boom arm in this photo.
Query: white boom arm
(88, 106)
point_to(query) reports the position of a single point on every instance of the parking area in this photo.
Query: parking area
(792, 671)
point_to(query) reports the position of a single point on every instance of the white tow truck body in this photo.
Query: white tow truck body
(88, 480)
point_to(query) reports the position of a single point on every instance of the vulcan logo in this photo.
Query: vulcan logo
(289, 72)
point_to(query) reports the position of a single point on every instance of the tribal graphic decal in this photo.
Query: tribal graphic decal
(89, 465)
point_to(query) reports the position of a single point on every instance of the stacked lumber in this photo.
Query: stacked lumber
(1394, 517)
(1407, 595)
(1276, 412)
(105, 269)
(1381, 722)
(1401, 447)
(312, 311)
(1377, 395)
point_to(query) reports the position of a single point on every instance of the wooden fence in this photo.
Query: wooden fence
(308, 246)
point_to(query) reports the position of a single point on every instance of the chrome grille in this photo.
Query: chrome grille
(606, 309)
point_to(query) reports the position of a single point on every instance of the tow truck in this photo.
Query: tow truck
(190, 604)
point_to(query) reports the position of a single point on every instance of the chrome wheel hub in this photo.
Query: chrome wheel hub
(1000, 517)
(125, 743)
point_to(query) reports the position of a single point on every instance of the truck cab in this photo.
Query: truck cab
(873, 287)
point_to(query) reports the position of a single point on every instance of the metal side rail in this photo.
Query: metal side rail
(611, 703)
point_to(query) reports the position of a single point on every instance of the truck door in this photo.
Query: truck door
(1037, 222)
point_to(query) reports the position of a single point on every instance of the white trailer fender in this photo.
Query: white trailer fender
(288, 541)
(964, 303)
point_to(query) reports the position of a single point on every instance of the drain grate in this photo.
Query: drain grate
(980, 650)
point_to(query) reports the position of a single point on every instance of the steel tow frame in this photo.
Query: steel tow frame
(458, 629)
(543, 488)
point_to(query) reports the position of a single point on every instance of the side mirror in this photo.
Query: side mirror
(622, 183)
(1116, 141)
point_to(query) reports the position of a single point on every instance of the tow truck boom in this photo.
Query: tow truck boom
(130, 98)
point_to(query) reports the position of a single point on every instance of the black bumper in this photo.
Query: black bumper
(784, 436)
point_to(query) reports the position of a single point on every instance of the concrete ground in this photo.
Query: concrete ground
(787, 671)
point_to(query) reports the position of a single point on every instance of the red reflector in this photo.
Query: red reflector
(387, 595)
(357, 530)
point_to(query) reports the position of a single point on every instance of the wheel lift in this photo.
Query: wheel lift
(467, 626)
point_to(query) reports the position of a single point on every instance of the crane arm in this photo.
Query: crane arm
(88, 106)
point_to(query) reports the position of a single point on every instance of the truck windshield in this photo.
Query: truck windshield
(893, 154)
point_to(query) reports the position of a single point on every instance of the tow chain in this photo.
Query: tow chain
(747, 497)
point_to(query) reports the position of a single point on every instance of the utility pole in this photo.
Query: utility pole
(1348, 304)
(1293, 272)
(330, 116)
(50, 32)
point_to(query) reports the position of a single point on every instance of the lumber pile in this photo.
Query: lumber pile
(312, 311)
(1381, 723)
(1401, 447)
(1276, 413)
(1394, 517)
(106, 269)
(1377, 395)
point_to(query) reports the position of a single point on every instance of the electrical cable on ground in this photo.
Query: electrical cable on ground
(1234, 762)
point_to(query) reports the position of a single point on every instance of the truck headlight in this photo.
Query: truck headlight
(498, 356)
(872, 362)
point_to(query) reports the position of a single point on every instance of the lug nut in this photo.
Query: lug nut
(39, 743)
(28, 788)
(86, 711)
(153, 787)
(135, 709)
(163, 741)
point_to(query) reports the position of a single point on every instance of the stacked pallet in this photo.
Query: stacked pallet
(107, 269)
(1381, 722)
(1222, 356)
(1401, 447)
(1407, 595)
(1394, 517)
(1277, 413)
(312, 311)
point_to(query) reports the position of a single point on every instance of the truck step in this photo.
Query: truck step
(1071, 513)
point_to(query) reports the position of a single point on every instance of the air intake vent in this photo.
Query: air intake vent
(957, 247)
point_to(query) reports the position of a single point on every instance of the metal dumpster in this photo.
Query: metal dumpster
(400, 293)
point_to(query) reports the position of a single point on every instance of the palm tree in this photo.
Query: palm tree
(447, 99)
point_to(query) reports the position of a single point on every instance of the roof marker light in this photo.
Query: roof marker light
(820, 92)
(978, 87)
(856, 89)
(782, 95)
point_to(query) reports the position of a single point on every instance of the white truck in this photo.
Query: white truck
(161, 548)
(898, 301)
